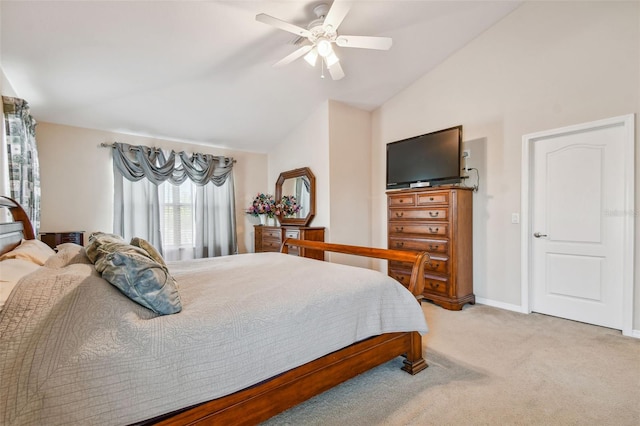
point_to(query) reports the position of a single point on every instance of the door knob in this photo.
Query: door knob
(538, 235)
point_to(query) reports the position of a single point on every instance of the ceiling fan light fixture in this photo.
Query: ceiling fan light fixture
(311, 57)
(331, 59)
(324, 47)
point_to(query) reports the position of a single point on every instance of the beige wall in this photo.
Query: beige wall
(306, 146)
(77, 178)
(350, 179)
(546, 65)
(335, 143)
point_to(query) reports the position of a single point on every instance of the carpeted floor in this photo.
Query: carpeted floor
(488, 366)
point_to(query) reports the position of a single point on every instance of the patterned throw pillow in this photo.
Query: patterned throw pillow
(140, 275)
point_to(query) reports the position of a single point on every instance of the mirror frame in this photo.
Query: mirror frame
(302, 172)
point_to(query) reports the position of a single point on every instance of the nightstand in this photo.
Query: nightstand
(53, 239)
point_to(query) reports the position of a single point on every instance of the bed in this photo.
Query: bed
(267, 332)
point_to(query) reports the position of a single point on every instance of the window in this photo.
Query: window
(177, 214)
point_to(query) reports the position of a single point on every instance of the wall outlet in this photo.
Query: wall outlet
(466, 153)
(515, 218)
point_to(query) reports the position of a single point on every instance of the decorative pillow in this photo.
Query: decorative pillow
(151, 250)
(99, 239)
(68, 254)
(33, 250)
(142, 279)
(140, 273)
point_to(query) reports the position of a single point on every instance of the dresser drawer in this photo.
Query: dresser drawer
(292, 233)
(420, 244)
(436, 264)
(271, 245)
(272, 234)
(433, 198)
(419, 214)
(438, 285)
(402, 200)
(432, 284)
(439, 229)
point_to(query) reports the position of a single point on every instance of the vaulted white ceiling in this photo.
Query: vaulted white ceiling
(201, 71)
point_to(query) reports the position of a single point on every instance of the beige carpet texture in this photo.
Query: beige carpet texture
(489, 366)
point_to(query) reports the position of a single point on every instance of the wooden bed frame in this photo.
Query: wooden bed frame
(266, 399)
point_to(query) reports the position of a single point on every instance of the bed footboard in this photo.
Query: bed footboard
(416, 258)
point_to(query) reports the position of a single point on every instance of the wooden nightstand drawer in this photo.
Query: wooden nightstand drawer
(53, 239)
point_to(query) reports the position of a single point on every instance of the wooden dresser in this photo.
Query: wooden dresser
(53, 239)
(270, 238)
(437, 220)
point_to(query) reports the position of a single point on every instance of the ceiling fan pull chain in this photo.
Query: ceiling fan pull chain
(322, 68)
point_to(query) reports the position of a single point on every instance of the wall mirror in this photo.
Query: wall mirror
(298, 185)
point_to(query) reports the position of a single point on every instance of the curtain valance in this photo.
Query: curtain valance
(136, 162)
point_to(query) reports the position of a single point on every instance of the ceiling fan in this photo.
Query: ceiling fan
(321, 34)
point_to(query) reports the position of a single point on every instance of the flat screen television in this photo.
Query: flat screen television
(427, 160)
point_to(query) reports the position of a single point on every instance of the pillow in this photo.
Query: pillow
(99, 239)
(68, 254)
(33, 250)
(142, 279)
(137, 270)
(11, 270)
(151, 250)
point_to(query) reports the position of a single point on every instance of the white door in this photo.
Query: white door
(577, 241)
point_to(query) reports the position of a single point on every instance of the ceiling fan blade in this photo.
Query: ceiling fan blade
(365, 42)
(336, 14)
(293, 56)
(278, 23)
(336, 71)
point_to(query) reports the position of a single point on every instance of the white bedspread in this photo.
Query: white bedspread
(73, 350)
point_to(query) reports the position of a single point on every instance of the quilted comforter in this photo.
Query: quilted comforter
(74, 350)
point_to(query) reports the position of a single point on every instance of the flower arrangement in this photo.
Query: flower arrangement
(288, 206)
(263, 204)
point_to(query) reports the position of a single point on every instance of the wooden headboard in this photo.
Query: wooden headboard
(11, 233)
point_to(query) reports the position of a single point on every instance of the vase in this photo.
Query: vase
(263, 219)
(271, 221)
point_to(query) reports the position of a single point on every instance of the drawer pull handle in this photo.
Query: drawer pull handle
(400, 244)
(433, 266)
(434, 285)
(401, 279)
(434, 214)
(432, 247)
(434, 230)
(430, 198)
(401, 200)
(399, 214)
(399, 228)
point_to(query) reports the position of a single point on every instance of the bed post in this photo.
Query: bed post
(414, 362)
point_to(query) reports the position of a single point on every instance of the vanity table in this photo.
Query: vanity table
(270, 238)
(301, 184)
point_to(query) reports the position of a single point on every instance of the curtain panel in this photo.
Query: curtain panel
(138, 206)
(22, 157)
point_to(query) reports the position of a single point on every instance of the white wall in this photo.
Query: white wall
(77, 178)
(546, 65)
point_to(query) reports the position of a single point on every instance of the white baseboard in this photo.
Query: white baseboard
(501, 305)
(518, 308)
